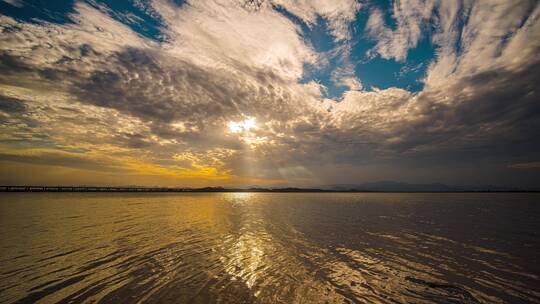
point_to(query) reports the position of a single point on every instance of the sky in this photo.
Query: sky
(269, 92)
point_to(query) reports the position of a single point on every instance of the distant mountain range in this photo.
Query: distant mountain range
(393, 186)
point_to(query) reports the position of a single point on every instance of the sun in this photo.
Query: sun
(242, 126)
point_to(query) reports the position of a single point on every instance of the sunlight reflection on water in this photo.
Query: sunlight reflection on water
(269, 248)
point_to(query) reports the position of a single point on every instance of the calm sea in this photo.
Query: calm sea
(269, 248)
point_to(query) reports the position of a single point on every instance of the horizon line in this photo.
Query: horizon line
(132, 189)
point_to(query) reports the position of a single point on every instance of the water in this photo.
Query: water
(269, 248)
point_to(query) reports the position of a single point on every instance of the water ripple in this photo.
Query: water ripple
(268, 248)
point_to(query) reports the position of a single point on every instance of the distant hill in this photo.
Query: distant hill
(393, 186)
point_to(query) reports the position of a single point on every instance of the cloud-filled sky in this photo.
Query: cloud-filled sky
(269, 92)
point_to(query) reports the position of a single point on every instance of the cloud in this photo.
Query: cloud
(98, 96)
(494, 35)
(411, 17)
(229, 36)
(338, 13)
(11, 105)
(16, 3)
(344, 76)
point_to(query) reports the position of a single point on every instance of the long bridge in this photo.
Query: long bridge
(90, 189)
(144, 189)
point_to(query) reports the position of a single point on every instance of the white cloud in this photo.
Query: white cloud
(344, 76)
(338, 13)
(16, 3)
(496, 35)
(411, 17)
(219, 33)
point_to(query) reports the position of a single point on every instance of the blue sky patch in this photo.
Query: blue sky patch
(56, 11)
(372, 71)
(135, 14)
(385, 73)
